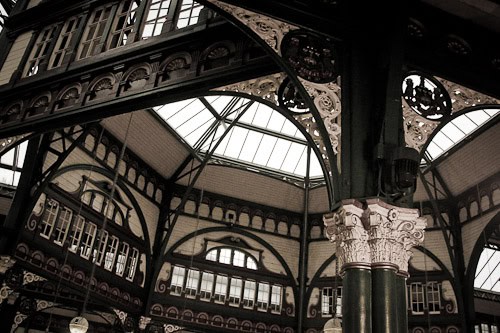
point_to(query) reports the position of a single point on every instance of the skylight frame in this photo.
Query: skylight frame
(487, 277)
(287, 132)
(446, 139)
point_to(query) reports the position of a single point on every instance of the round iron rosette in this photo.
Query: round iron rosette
(312, 56)
(426, 96)
(290, 98)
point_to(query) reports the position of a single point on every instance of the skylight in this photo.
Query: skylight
(262, 137)
(458, 129)
(11, 163)
(488, 270)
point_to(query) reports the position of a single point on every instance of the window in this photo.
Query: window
(263, 296)
(494, 329)
(177, 282)
(63, 44)
(62, 226)
(192, 282)
(156, 18)
(484, 328)
(132, 264)
(49, 218)
(189, 13)
(338, 309)
(276, 299)
(220, 289)
(417, 298)
(122, 259)
(76, 233)
(212, 255)
(327, 298)
(40, 50)
(239, 259)
(251, 264)
(433, 298)
(88, 240)
(111, 253)
(93, 35)
(235, 291)
(11, 163)
(207, 283)
(225, 256)
(102, 242)
(249, 294)
(122, 31)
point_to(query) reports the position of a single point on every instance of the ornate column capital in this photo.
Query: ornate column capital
(393, 232)
(345, 228)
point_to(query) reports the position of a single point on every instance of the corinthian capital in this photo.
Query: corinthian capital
(344, 227)
(393, 232)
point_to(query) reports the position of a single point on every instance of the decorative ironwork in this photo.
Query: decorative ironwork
(290, 98)
(426, 96)
(310, 55)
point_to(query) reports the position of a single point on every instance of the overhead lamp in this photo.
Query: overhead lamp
(78, 325)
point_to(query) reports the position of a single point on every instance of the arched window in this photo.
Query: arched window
(229, 256)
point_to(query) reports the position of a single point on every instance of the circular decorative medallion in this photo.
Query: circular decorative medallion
(310, 55)
(426, 96)
(290, 98)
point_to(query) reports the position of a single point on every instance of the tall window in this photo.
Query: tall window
(76, 233)
(263, 296)
(88, 240)
(122, 259)
(249, 294)
(220, 289)
(122, 31)
(192, 282)
(189, 13)
(49, 219)
(93, 36)
(40, 50)
(111, 253)
(102, 247)
(177, 282)
(276, 299)
(417, 298)
(132, 264)
(156, 18)
(207, 284)
(433, 297)
(63, 43)
(11, 163)
(235, 291)
(62, 226)
(328, 295)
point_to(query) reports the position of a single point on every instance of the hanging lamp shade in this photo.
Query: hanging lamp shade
(78, 325)
(333, 325)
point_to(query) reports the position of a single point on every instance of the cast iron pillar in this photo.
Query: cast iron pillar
(373, 242)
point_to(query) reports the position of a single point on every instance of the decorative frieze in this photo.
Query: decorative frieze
(377, 235)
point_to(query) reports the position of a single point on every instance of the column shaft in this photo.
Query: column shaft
(402, 312)
(385, 294)
(357, 301)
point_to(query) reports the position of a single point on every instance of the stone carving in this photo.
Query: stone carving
(345, 228)
(393, 232)
(380, 234)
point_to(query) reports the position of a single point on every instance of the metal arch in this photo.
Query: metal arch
(299, 83)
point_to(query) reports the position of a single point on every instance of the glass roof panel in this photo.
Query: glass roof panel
(458, 129)
(488, 270)
(262, 136)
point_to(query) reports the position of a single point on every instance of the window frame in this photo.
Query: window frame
(48, 221)
(62, 225)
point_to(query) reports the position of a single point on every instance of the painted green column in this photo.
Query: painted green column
(357, 300)
(385, 295)
(393, 232)
(402, 311)
(345, 229)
